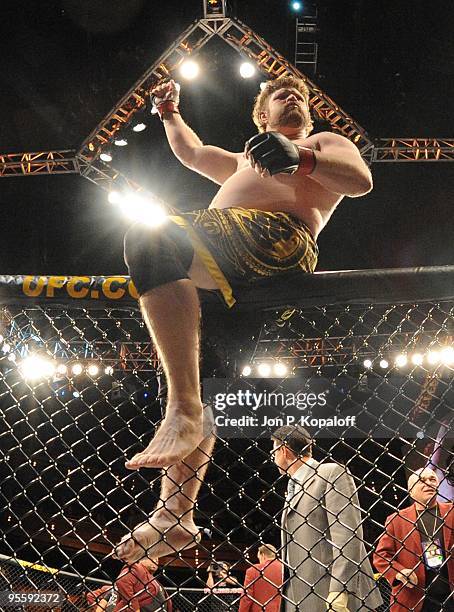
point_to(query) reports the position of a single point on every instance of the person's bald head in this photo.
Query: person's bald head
(423, 486)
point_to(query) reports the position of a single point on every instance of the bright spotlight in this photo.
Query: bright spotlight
(106, 156)
(367, 363)
(189, 69)
(35, 367)
(401, 361)
(139, 127)
(12, 357)
(77, 369)
(447, 355)
(120, 142)
(264, 369)
(296, 5)
(280, 369)
(246, 370)
(62, 369)
(93, 369)
(262, 86)
(247, 70)
(140, 209)
(384, 364)
(433, 357)
(417, 359)
(6, 348)
(114, 197)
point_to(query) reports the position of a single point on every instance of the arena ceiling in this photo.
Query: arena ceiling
(66, 63)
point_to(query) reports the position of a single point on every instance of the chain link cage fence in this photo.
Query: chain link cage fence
(81, 391)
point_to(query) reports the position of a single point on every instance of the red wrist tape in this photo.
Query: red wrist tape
(308, 161)
(167, 107)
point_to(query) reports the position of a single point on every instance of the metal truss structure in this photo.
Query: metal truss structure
(335, 351)
(248, 44)
(413, 149)
(44, 162)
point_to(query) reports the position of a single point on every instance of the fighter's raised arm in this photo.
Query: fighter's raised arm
(212, 162)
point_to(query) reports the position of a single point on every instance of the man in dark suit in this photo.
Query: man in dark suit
(414, 553)
(263, 583)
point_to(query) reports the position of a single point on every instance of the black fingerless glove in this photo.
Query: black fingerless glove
(274, 152)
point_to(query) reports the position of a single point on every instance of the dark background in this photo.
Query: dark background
(65, 64)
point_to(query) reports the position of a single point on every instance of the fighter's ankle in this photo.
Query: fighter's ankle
(184, 399)
(173, 512)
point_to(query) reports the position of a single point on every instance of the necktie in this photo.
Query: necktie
(290, 489)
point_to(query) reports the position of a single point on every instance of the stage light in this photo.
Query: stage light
(189, 69)
(264, 369)
(139, 127)
(77, 369)
(247, 70)
(246, 370)
(384, 364)
(93, 369)
(367, 363)
(108, 370)
(114, 197)
(6, 348)
(433, 357)
(401, 361)
(417, 359)
(296, 6)
(34, 367)
(120, 142)
(62, 369)
(447, 355)
(262, 86)
(144, 210)
(76, 394)
(105, 156)
(48, 367)
(280, 369)
(12, 357)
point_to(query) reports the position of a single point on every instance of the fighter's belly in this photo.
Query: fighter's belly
(280, 193)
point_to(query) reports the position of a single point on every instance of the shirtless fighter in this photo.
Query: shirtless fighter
(274, 200)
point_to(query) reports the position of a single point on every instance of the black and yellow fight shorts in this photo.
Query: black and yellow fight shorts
(239, 246)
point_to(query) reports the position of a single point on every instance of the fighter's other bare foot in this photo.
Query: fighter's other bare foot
(177, 436)
(160, 535)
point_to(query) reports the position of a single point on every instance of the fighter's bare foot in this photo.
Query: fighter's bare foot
(178, 435)
(161, 535)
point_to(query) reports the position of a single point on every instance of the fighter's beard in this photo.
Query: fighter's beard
(292, 117)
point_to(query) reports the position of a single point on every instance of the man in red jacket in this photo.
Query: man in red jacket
(415, 552)
(138, 590)
(263, 583)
